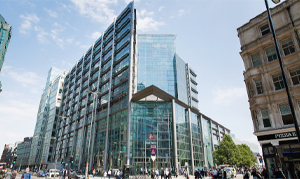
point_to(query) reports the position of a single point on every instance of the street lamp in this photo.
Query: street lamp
(87, 160)
(282, 70)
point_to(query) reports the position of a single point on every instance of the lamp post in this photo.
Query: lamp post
(87, 160)
(282, 69)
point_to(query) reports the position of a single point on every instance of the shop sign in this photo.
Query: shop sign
(277, 136)
(285, 135)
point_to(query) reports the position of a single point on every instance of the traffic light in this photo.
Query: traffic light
(72, 159)
(15, 160)
(62, 161)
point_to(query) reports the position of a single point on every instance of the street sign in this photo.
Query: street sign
(151, 136)
(153, 150)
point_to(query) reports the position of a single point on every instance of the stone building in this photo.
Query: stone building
(271, 114)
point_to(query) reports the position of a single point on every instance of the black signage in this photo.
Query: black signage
(277, 136)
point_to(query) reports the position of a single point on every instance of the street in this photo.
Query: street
(239, 176)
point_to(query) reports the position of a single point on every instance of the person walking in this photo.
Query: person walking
(224, 174)
(162, 173)
(14, 174)
(26, 175)
(109, 173)
(176, 172)
(278, 174)
(157, 173)
(8, 175)
(246, 174)
(64, 173)
(104, 174)
(196, 174)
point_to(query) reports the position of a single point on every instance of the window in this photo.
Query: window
(271, 54)
(255, 121)
(265, 117)
(288, 47)
(265, 29)
(295, 75)
(259, 87)
(250, 90)
(278, 82)
(256, 59)
(286, 114)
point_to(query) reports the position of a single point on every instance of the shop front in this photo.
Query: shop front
(282, 151)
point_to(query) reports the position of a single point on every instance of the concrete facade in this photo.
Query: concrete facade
(267, 95)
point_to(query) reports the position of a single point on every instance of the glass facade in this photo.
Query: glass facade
(156, 62)
(23, 152)
(183, 137)
(207, 140)
(151, 126)
(44, 132)
(95, 129)
(5, 35)
(107, 128)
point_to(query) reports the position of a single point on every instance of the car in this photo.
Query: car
(41, 174)
(79, 176)
(53, 173)
(73, 174)
(230, 171)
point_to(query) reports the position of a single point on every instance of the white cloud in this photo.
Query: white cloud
(146, 21)
(55, 33)
(70, 41)
(181, 12)
(41, 35)
(97, 10)
(161, 8)
(51, 13)
(225, 96)
(26, 79)
(28, 20)
(18, 113)
(96, 35)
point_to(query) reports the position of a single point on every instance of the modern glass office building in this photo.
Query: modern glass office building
(23, 153)
(44, 132)
(129, 93)
(5, 35)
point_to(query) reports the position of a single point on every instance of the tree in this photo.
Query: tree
(227, 152)
(245, 157)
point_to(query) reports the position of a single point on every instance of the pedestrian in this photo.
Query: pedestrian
(253, 173)
(8, 175)
(162, 173)
(278, 174)
(141, 171)
(26, 175)
(176, 173)
(246, 174)
(196, 174)
(109, 173)
(264, 173)
(104, 174)
(157, 173)
(224, 174)
(146, 171)
(199, 174)
(152, 174)
(214, 172)
(14, 174)
(64, 173)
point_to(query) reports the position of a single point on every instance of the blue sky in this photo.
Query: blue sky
(56, 33)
